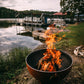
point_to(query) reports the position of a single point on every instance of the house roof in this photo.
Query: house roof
(60, 13)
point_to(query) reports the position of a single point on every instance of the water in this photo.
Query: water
(9, 38)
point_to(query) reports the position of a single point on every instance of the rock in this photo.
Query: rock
(26, 78)
(79, 51)
(76, 52)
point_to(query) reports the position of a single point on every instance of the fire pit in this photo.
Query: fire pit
(46, 77)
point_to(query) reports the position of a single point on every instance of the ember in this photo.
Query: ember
(51, 60)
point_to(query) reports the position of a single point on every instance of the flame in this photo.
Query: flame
(51, 56)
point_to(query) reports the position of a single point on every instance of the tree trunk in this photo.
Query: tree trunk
(78, 20)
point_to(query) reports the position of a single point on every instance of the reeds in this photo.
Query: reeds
(12, 63)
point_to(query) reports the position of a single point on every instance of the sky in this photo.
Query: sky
(43, 5)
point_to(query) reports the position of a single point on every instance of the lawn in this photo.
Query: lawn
(74, 37)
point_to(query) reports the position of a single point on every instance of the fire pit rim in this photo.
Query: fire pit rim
(49, 71)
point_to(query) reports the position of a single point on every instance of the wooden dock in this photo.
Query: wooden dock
(34, 24)
(39, 35)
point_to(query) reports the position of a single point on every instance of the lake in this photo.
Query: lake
(9, 38)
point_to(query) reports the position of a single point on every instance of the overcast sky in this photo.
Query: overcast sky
(44, 5)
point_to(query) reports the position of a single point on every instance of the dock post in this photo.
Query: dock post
(32, 17)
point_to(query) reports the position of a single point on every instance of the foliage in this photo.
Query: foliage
(72, 7)
(9, 13)
(12, 63)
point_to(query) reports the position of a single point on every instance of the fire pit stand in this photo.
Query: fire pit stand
(46, 77)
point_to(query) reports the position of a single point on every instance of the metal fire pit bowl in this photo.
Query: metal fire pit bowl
(46, 77)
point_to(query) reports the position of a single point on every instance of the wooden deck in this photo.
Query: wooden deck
(33, 24)
(39, 35)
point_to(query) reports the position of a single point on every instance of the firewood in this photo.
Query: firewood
(55, 66)
(40, 61)
(46, 67)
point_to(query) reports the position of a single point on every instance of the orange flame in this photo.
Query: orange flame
(51, 56)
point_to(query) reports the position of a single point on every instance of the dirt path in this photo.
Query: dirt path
(76, 76)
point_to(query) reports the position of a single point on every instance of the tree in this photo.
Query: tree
(75, 7)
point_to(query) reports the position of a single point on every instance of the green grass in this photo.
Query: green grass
(77, 33)
(12, 64)
(74, 37)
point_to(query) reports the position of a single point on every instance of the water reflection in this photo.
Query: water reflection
(9, 38)
(5, 24)
(30, 31)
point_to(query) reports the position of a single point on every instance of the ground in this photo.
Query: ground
(73, 39)
(76, 76)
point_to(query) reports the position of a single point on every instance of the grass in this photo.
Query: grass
(73, 38)
(13, 64)
(15, 61)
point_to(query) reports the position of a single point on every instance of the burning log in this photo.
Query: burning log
(39, 63)
(47, 64)
(47, 77)
(51, 60)
(45, 67)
